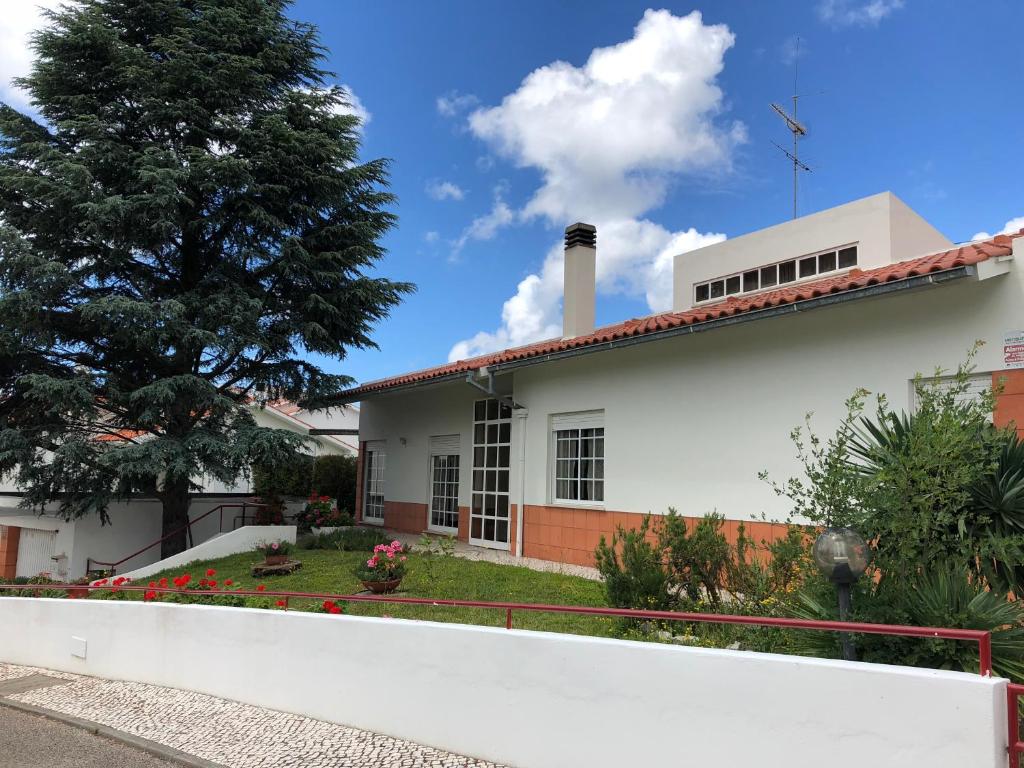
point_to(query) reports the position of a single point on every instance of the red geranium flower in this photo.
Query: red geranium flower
(261, 587)
(203, 583)
(163, 583)
(211, 572)
(150, 595)
(280, 603)
(228, 582)
(212, 584)
(335, 609)
(152, 585)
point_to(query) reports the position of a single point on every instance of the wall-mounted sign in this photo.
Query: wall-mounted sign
(1013, 349)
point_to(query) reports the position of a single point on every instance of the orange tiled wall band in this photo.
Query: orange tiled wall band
(9, 537)
(1009, 402)
(570, 535)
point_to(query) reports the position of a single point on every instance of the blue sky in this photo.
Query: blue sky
(663, 138)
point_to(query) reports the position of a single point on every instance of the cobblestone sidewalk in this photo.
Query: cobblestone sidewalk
(224, 732)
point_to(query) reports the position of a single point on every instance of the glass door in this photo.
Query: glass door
(373, 482)
(492, 447)
(444, 493)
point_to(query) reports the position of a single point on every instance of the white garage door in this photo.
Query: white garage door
(35, 552)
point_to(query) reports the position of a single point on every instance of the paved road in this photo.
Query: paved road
(31, 741)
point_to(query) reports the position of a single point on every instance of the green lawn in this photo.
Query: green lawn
(430, 577)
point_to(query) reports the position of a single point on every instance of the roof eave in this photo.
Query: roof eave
(841, 297)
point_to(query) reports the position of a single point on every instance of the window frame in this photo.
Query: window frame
(380, 464)
(580, 420)
(741, 275)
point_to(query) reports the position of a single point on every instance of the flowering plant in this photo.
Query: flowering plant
(274, 548)
(386, 564)
(321, 512)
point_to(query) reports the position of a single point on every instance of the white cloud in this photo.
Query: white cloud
(608, 136)
(634, 258)
(353, 106)
(851, 13)
(1011, 227)
(17, 23)
(445, 190)
(486, 227)
(454, 103)
(432, 236)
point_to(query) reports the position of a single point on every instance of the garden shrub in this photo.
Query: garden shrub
(349, 539)
(631, 566)
(697, 562)
(329, 475)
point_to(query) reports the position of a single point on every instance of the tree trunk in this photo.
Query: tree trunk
(176, 501)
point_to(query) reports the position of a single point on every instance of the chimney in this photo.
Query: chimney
(579, 279)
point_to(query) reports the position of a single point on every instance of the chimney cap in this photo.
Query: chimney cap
(581, 234)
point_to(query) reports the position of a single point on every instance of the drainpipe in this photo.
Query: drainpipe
(521, 415)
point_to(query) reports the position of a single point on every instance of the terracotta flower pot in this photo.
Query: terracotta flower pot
(382, 587)
(276, 559)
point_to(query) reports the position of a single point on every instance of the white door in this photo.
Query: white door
(374, 458)
(492, 447)
(35, 552)
(443, 502)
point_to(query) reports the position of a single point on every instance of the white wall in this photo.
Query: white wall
(690, 421)
(416, 416)
(882, 226)
(530, 699)
(231, 543)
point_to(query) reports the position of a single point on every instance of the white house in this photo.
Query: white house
(685, 408)
(31, 543)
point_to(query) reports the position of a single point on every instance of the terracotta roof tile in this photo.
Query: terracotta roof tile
(964, 255)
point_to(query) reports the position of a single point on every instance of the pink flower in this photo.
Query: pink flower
(404, 558)
(396, 543)
(275, 545)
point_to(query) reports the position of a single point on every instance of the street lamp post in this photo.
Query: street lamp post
(842, 555)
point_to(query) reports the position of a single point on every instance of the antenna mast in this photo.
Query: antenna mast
(795, 127)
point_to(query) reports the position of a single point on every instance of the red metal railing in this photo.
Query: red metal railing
(112, 567)
(1014, 693)
(981, 637)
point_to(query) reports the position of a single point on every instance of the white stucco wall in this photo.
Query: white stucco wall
(531, 699)
(691, 421)
(415, 417)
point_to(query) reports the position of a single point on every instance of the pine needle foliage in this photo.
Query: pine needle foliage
(186, 229)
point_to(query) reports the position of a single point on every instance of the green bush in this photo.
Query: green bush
(353, 539)
(697, 562)
(333, 476)
(634, 576)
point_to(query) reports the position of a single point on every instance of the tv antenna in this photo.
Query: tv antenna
(795, 127)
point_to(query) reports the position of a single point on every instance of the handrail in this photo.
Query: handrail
(89, 562)
(982, 637)
(1014, 693)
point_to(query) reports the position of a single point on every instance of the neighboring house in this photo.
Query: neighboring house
(32, 543)
(684, 409)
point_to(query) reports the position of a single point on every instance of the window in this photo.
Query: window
(373, 482)
(578, 458)
(977, 384)
(776, 274)
(492, 447)
(787, 272)
(848, 257)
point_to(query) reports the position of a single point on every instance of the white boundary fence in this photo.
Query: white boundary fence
(529, 699)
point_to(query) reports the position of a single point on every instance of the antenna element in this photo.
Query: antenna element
(796, 128)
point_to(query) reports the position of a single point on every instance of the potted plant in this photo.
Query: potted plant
(383, 572)
(275, 553)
